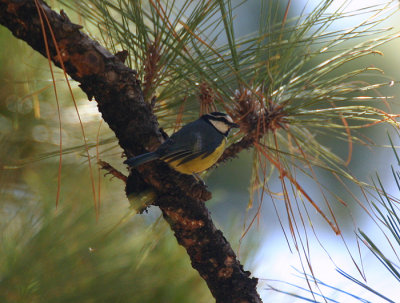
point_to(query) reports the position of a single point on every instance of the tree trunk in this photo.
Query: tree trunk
(120, 101)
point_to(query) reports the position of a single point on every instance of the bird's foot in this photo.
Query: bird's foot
(199, 179)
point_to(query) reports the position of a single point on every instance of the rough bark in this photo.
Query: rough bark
(120, 101)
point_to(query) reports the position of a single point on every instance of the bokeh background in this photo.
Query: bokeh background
(63, 253)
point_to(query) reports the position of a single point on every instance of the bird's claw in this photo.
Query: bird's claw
(199, 179)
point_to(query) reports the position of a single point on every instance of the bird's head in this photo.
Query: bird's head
(222, 122)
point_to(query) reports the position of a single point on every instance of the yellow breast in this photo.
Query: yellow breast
(199, 164)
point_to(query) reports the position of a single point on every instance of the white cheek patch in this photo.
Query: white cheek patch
(228, 118)
(220, 126)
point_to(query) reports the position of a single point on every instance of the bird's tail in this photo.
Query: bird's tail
(136, 161)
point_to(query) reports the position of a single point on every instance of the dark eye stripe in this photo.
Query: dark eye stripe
(221, 119)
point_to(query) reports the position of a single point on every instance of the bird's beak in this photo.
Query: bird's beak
(234, 125)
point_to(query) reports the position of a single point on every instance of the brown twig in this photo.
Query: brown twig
(112, 171)
(151, 67)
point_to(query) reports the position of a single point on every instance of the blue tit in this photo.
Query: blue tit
(195, 147)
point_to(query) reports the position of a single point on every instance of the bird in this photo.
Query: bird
(195, 147)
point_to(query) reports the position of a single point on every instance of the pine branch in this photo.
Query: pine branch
(120, 100)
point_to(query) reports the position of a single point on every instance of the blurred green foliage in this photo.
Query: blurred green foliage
(64, 254)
